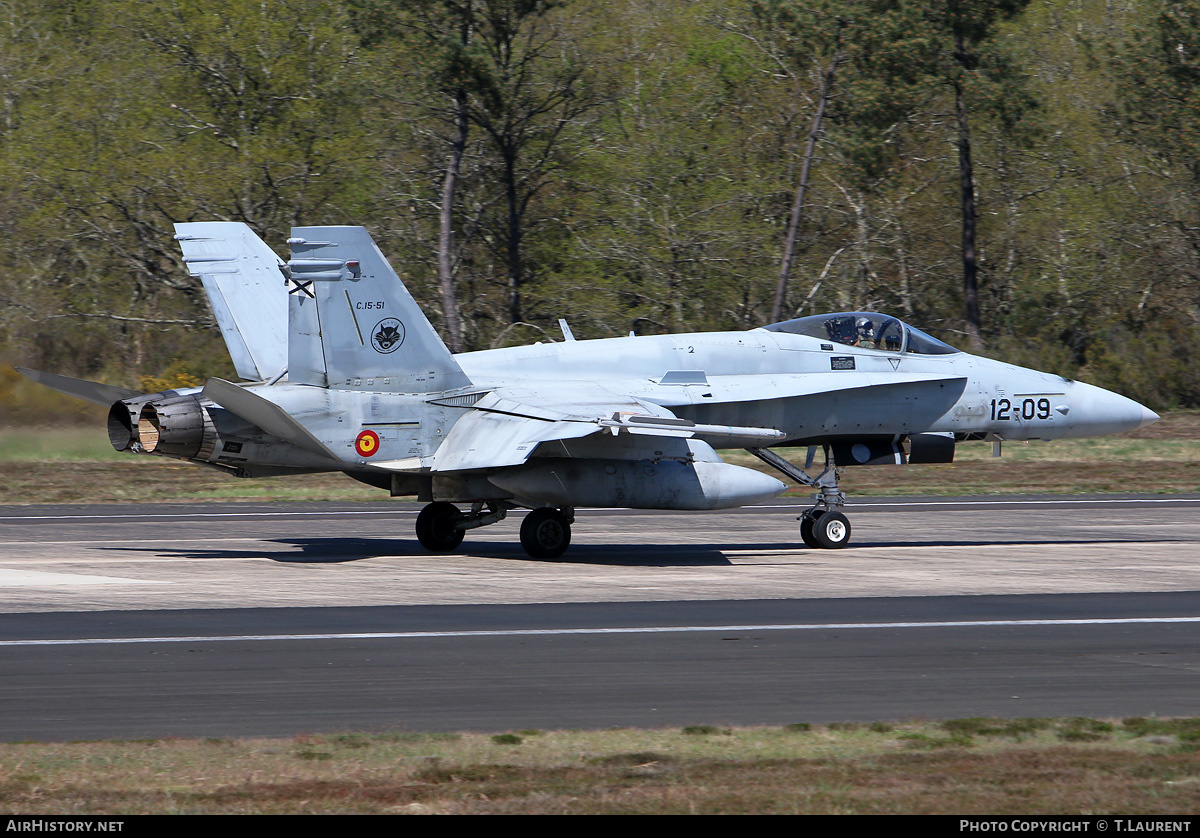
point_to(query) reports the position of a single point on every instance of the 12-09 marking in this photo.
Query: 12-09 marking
(1025, 409)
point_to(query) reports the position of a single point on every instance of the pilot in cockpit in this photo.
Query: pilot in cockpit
(864, 331)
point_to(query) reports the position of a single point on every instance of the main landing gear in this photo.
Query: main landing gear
(823, 526)
(439, 527)
(545, 532)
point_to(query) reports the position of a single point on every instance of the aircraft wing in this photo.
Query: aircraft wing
(505, 426)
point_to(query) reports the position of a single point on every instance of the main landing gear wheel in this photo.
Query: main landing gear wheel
(807, 521)
(545, 533)
(437, 527)
(830, 530)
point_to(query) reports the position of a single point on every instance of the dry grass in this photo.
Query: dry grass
(973, 766)
(1036, 468)
(1162, 458)
(157, 480)
(76, 466)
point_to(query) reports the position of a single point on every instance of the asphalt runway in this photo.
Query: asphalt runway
(224, 620)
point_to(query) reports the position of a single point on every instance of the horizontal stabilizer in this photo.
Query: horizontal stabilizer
(265, 414)
(92, 391)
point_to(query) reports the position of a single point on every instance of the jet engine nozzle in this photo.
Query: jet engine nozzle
(120, 425)
(175, 427)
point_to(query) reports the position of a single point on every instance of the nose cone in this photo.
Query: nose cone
(1098, 412)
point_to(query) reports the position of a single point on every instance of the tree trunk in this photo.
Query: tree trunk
(513, 237)
(446, 226)
(967, 183)
(458, 148)
(789, 250)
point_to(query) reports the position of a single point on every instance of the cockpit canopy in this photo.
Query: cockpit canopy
(867, 330)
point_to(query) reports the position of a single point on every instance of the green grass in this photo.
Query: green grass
(1086, 450)
(75, 445)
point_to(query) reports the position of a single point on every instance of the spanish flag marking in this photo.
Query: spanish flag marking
(366, 443)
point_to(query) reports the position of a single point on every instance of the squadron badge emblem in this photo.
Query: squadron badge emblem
(387, 335)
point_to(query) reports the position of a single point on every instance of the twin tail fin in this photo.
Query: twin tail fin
(334, 315)
(353, 324)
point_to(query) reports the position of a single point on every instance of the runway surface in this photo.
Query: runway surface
(136, 621)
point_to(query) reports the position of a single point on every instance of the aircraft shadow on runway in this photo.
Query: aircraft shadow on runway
(327, 550)
(339, 550)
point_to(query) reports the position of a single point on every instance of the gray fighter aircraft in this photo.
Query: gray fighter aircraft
(345, 373)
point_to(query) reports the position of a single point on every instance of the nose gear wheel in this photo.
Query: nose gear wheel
(822, 527)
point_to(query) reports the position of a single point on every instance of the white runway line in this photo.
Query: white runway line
(1056, 501)
(421, 635)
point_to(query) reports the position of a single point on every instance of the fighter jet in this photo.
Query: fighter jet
(343, 372)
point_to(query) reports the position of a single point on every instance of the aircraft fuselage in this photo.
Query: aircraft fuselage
(346, 373)
(763, 379)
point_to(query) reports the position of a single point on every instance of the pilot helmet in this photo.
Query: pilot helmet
(865, 328)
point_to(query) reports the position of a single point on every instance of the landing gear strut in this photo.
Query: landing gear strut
(546, 532)
(441, 525)
(822, 527)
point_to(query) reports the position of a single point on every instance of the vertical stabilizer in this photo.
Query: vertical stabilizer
(354, 325)
(244, 283)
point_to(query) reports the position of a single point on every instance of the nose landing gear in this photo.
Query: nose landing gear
(822, 527)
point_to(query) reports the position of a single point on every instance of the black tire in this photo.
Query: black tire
(437, 527)
(832, 531)
(807, 522)
(545, 533)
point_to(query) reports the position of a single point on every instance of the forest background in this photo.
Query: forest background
(1016, 177)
